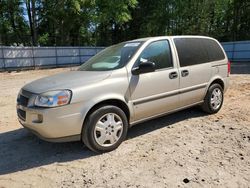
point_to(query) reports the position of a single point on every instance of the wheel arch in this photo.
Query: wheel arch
(115, 102)
(86, 127)
(214, 80)
(206, 105)
(218, 81)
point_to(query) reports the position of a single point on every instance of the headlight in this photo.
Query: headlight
(53, 98)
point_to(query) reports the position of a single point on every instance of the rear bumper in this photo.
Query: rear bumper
(59, 124)
(226, 83)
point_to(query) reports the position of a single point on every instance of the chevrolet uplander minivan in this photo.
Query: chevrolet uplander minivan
(123, 85)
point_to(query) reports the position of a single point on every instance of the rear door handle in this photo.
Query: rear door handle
(184, 73)
(173, 75)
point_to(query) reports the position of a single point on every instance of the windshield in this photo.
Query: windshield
(111, 58)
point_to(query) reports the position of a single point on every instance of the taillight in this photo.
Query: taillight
(228, 68)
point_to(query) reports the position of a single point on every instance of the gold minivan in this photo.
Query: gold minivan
(123, 85)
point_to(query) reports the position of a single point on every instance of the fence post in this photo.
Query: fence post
(33, 58)
(56, 55)
(4, 66)
(233, 51)
(95, 50)
(79, 55)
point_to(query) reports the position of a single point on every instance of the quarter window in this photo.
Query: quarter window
(158, 52)
(214, 51)
(193, 51)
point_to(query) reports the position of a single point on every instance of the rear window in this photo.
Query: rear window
(193, 51)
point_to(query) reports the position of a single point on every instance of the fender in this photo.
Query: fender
(107, 97)
(215, 77)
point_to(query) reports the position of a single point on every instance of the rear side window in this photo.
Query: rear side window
(214, 51)
(158, 52)
(190, 51)
(193, 51)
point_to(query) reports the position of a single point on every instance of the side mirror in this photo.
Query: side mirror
(144, 67)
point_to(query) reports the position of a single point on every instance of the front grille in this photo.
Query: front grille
(22, 100)
(21, 114)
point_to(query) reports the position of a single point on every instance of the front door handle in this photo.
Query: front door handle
(173, 75)
(184, 73)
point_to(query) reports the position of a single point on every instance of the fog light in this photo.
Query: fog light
(37, 118)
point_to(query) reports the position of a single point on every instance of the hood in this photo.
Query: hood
(66, 80)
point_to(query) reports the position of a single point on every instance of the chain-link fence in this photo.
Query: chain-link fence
(237, 51)
(13, 58)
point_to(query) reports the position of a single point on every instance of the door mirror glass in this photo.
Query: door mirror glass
(145, 66)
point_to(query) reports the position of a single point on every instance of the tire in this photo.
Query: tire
(214, 99)
(105, 129)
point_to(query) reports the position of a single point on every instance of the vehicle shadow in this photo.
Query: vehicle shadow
(21, 150)
(164, 121)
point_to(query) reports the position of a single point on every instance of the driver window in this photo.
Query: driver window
(158, 52)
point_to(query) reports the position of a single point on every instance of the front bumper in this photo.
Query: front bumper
(53, 124)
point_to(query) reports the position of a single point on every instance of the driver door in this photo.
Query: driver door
(155, 93)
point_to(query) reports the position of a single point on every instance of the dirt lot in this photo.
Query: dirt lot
(188, 146)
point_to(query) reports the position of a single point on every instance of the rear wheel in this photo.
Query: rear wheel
(213, 99)
(105, 129)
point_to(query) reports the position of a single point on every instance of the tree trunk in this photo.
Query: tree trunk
(31, 11)
(33, 4)
(235, 20)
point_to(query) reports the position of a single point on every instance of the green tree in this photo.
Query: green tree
(102, 22)
(66, 21)
(12, 24)
(110, 19)
(32, 8)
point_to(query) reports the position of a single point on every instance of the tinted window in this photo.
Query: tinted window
(192, 51)
(158, 52)
(214, 51)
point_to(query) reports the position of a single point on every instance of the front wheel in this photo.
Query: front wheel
(105, 129)
(213, 99)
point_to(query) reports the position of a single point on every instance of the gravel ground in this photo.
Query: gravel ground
(185, 149)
